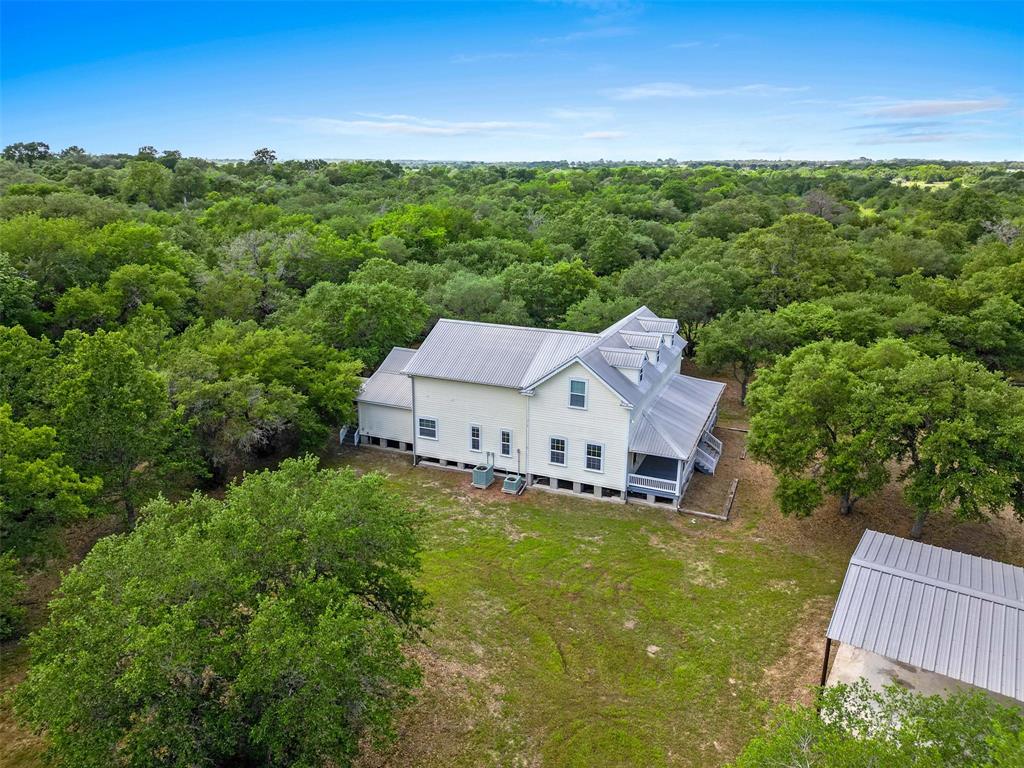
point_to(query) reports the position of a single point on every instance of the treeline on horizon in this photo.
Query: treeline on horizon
(167, 322)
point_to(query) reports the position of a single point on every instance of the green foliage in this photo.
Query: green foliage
(12, 587)
(742, 342)
(815, 422)
(251, 391)
(367, 320)
(38, 491)
(862, 726)
(266, 628)
(114, 419)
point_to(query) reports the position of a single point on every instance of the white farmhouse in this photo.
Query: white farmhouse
(604, 414)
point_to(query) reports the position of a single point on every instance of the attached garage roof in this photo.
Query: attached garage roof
(943, 611)
(388, 385)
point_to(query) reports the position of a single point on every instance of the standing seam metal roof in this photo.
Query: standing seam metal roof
(943, 611)
(499, 355)
(388, 385)
(673, 423)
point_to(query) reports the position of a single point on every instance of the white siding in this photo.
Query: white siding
(456, 405)
(385, 421)
(605, 421)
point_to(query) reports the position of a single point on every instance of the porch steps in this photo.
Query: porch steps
(709, 451)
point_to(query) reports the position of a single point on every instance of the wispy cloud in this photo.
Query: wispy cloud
(410, 125)
(597, 33)
(937, 107)
(694, 44)
(581, 113)
(603, 135)
(476, 58)
(669, 90)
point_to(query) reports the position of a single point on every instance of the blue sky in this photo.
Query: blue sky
(522, 81)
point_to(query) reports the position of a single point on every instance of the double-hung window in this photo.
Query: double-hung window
(475, 438)
(506, 442)
(595, 457)
(557, 451)
(577, 393)
(428, 428)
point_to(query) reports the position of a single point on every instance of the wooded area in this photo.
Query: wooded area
(167, 323)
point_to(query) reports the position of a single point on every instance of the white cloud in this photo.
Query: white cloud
(581, 113)
(603, 135)
(598, 33)
(410, 125)
(474, 58)
(937, 107)
(694, 44)
(668, 90)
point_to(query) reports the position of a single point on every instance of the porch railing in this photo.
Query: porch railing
(666, 487)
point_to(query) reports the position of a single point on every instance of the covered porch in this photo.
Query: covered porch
(658, 477)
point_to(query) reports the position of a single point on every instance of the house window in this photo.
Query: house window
(506, 442)
(577, 393)
(474, 438)
(428, 428)
(640, 375)
(558, 451)
(595, 457)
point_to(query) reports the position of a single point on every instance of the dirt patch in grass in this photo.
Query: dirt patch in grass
(791, 679)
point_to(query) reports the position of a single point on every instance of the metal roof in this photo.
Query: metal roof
(658, 325)
(623, 358)
(943, 611)
(388, 385)
(500, 355)
(642, 340)
(672, 424)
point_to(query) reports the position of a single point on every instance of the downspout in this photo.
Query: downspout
(412, 383)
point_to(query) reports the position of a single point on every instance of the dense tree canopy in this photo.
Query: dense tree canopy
(264, 629)
(168, 321)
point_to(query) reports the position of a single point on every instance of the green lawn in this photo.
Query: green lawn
(579, 633)
(568, 632)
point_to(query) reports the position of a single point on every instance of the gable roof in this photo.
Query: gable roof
(943, 611)
(388, 385)
(521, 358)
(499, 355)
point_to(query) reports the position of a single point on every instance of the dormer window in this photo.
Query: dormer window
(640, 375)
(577, 393)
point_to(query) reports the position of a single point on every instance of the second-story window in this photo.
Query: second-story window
(506, 442)
(577, 393)
(474, 438)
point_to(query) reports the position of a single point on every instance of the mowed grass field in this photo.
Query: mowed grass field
(569, 632)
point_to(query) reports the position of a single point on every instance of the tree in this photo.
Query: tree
(27, 152)
(17, 306)
(960, 431)
(862, 726)
(12, 586)
(38, 491)
(188, 182)
(114, 419)
(147, 182)
(610, 251)
(691, 292)
(820, 203)
(594, 313)
(264, 629)
(366, 320)
(264, 156)
(26, 363)
(814, 420)
(252, 392)
(798, 258)
(743, 341)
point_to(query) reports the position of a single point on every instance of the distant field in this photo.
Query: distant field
(569, 632)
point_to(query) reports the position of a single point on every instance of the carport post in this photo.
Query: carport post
(824, 675)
